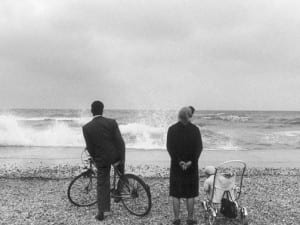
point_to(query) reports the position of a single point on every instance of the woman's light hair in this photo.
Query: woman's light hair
(184, 115)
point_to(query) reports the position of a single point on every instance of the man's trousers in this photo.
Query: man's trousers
(103, 186)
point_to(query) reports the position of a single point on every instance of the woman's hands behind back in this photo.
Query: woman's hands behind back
(185, 165)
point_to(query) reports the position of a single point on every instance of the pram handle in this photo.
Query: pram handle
(232, 161)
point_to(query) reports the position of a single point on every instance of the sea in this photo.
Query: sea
(144, 130)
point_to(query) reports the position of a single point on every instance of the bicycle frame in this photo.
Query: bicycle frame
(116, 176)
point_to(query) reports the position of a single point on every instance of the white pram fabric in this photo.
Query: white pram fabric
(222, 184)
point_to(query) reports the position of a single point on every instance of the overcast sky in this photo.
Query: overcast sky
(232, 55)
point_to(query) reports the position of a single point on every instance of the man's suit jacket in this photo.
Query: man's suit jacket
(104, 141)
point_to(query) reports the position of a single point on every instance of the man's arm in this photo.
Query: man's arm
(88, 143)
(119, 142)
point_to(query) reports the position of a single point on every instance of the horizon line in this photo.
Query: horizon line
(153, 109)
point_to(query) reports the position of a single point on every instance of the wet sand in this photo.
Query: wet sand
(53, 156)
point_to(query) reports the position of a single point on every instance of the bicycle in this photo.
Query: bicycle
(130, 189)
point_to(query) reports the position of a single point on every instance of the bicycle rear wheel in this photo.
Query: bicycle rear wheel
(135, 194)
(82, 190)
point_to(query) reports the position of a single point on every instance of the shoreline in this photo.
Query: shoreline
(56, 163)
(35, 156)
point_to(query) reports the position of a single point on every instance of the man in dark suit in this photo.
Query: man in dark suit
(106, 146)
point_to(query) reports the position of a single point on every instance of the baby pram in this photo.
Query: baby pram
(228, 179)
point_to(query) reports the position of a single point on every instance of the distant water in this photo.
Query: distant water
(142, 129)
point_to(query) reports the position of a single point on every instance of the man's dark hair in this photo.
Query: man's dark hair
(97, 108)
(192, 109)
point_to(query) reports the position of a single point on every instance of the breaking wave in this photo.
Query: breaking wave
(148, 129)
(225, 117)
(14, 133)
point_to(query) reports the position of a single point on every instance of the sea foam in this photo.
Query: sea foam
(13, 133)
(142, 129)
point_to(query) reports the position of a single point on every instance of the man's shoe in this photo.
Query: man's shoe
(191, 222)
(176, 222)
(100, 216)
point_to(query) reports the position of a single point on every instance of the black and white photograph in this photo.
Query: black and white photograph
(149, 112)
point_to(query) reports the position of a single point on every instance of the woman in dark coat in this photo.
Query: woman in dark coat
(184, 145)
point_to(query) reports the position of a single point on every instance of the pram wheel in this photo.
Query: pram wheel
(210, 216)
(244, 216)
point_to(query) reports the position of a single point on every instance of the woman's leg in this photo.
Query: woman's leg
(176, 207)
(190, 208)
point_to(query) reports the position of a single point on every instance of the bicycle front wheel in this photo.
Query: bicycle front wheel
(82, 190)
(135, 194)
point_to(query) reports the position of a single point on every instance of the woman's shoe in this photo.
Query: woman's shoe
(100, 216)
(176, 222)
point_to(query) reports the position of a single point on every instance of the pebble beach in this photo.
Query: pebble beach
(39, 196)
